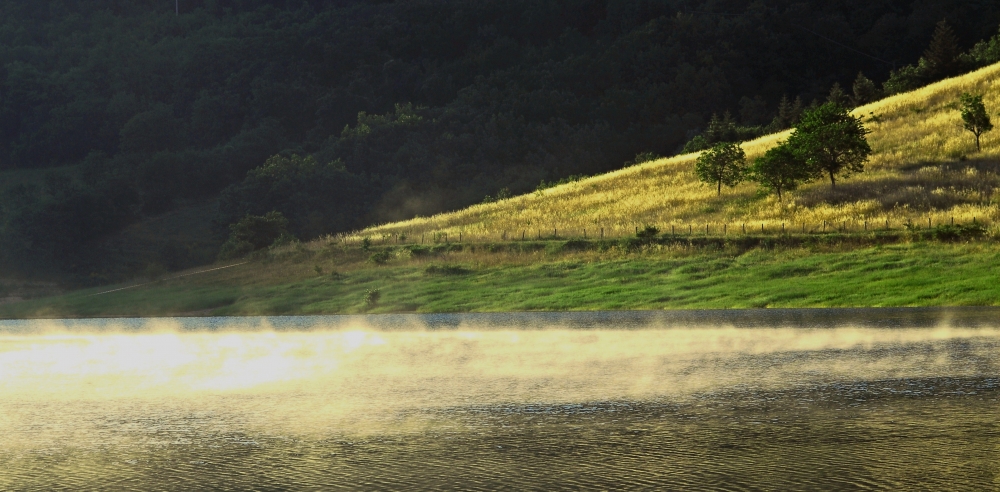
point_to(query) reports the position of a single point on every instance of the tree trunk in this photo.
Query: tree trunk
(779, 193)
(978, 149)
(719, 191)
(833, 181)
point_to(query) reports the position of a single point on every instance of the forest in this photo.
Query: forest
(340, 114)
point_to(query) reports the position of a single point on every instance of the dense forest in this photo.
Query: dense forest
(342, 113)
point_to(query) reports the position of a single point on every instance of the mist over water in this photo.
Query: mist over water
(733, 400)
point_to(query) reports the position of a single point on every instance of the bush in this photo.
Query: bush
(372, 296)
(380, 257)
(648, 232)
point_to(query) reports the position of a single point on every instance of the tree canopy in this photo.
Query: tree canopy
(831, 141)
(780, 169)
(723, 164)
(974, 116)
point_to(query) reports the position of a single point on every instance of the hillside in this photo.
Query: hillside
(118, 117)
(924, 165)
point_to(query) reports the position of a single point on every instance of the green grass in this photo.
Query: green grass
(908, 274)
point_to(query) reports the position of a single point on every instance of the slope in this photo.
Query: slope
(924, 166)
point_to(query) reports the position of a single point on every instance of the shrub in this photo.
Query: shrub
(380, 257)
(372, 296)
(648, 232)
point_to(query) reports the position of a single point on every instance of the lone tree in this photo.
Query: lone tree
(831, 142)
(723, 164)
(780, 169)
(974, 116)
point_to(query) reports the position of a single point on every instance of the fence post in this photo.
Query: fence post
(690, 230)
(744, 228)
(706, 229)
(602, 233)
(762, 228)
(928, 222)
(724, 227)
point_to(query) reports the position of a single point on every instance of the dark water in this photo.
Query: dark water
(747, 400)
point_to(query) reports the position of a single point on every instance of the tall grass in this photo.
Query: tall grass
(924, 166)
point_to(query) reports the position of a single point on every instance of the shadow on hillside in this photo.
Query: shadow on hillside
(922, 186)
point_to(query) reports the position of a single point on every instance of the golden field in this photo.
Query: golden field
(924, 166)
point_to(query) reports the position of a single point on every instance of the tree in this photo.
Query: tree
(831, 142)
(942, 54)
(780, 169)
(723, 164)
(838, 96)
(788, 113)
(865, 90)
(974, 116)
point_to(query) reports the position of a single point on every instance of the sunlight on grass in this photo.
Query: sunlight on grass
(924, 166)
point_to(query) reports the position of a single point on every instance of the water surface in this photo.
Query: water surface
(733, 400)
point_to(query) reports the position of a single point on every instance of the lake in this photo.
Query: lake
(822, 399)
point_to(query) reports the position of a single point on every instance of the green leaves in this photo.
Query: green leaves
(831, 141)
(780, 169)
(723, 164)
(974, 116)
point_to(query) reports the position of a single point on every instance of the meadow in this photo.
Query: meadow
(924, 167)
(840, 271)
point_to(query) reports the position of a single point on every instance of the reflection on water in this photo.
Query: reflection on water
(731, 401)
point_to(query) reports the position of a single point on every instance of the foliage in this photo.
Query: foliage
(315, 198)
(831, 141)
(864, 90)
(503, 194)
(974, 116)
(723, 164)
(647, 232)
(380, 257)
(542, 186)
(722, 130)
(643, 157)
(943, 53)
(254, 232)
(780, 169)
(372, 297)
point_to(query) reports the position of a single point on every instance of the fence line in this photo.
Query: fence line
(702, 229)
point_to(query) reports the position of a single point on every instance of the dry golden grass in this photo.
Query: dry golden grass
(924, 166)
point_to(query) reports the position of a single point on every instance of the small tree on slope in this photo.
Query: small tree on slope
(723, 164)
(831, 141)
(780, 169)
(974, 116)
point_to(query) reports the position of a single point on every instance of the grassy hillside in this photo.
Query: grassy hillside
(924, 166)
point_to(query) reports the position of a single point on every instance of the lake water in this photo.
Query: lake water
(841, 399)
